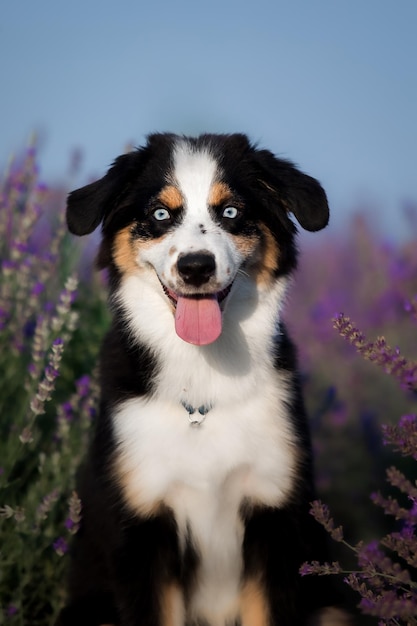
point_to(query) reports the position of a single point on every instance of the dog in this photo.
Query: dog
(197, 487)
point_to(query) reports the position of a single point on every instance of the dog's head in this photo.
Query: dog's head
(195, 214)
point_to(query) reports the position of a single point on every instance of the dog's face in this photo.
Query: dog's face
(192, 216)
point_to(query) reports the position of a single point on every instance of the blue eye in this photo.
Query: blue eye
(161, 214)
(230, 212)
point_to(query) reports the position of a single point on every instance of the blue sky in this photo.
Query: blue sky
(330, 84)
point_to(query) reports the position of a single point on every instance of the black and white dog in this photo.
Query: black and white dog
(197, 486)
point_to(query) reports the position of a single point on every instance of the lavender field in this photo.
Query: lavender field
(353, 314)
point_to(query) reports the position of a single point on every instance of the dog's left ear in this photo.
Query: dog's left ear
(88, 206)
(299, 193)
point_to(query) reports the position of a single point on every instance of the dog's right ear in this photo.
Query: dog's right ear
(87, 206)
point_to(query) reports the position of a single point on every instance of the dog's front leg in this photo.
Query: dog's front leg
(147, 574)
(276, 543)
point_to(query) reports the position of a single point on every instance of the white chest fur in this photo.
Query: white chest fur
(244, 450)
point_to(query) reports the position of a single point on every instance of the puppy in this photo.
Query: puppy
(197, 486)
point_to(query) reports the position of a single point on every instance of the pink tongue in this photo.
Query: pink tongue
(198, 320)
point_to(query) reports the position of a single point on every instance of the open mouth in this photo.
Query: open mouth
(198, 318)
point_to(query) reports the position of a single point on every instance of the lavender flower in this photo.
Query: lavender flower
(322, 514)
(17, 513)
(74, 517)
(11, 610)
(47, 384)
(411, 307)
(81, 403)
(60, 546)
(378, 352)
(403, 436)
(45, 506)
(83, 386)
(321, 569)
(63, 310)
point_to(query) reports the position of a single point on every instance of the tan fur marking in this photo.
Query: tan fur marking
(124, 251)
(132, 490)
(171, 197)
(172, 606)
(246, 245)
(254, 605)
(270, 257)
(331, 617)
(219, 194)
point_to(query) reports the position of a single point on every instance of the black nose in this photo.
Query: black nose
(196, 268)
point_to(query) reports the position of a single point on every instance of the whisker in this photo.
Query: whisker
(242, 272)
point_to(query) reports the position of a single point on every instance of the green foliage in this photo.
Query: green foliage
(47, 396)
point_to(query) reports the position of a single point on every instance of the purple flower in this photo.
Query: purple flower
(60, 546)
(378, 352)
(11, 610)
(41, 187)
(8, 266)
(321, 569)
(73, 520)
(321, 513)
(20, 246)
(406, 420)
(370, 553)
(307, 569)
(37, 289)
(51, 373)
(32, 369)
(67, 410)
(83, 386)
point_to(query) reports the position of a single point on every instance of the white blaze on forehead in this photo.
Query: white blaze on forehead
(194, 171)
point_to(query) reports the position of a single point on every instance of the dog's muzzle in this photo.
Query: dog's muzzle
(198, 316)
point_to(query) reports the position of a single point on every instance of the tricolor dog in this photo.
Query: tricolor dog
(197, 486)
